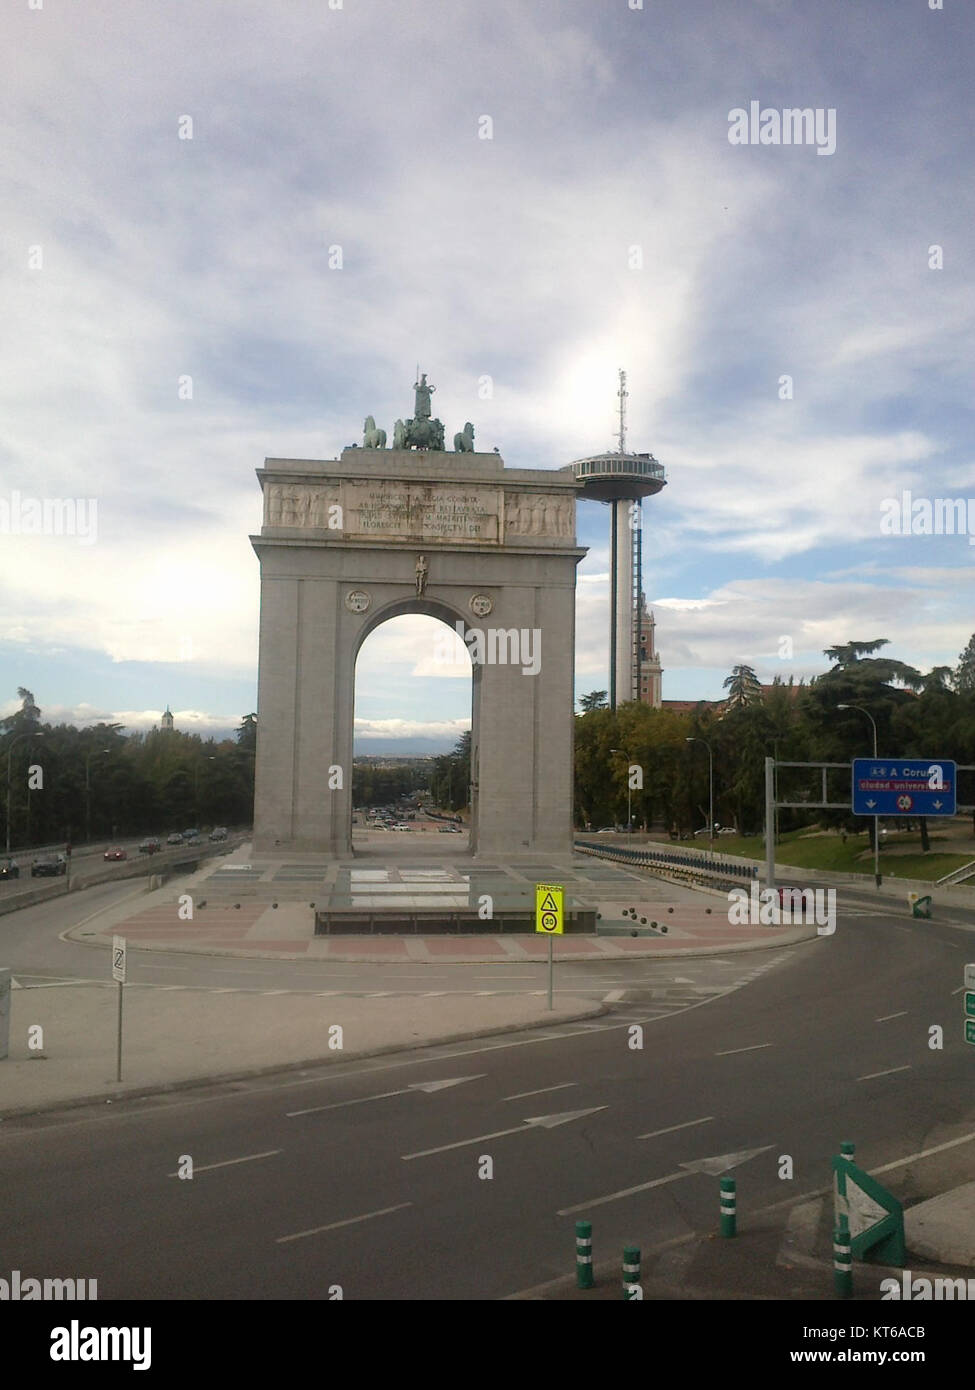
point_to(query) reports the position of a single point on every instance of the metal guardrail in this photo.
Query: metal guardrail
(957, 875)
(673, 860)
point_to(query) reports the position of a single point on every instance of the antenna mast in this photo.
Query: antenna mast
(623, 394)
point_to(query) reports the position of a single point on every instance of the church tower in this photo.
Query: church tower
(651, 672)
(166, 722)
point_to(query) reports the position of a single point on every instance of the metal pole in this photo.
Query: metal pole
(551, 967)
(88, 799)
(118, 1070)
(710, 802)
(769, 822)
(612, 605)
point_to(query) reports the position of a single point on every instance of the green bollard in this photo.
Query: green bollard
(842, 1263)
(584, 1279)
(729, 1207)
(631, 1273)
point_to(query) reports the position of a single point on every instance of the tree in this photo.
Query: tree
(743, 686)
(965, 670)
(596, 699)
(247, 733)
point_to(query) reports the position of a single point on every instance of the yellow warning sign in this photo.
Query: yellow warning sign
(548, 908)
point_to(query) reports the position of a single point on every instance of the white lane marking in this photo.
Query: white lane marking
(428, 1086)
(266, 992)
(958, 990)
(523, 1095)
(755, 1047)
(614, 996)
(381, 994)
(625, 1192)
(485, 993)
(147, 966)
(229, 1162)
(434, 994)
(872, 1075)
(887, 1017)
(671, 1129)
(349, 1221)
(533, 1122)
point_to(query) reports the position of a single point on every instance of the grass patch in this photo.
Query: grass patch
(800, 850)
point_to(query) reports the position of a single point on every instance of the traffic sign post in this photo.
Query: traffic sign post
(118, 973)
(549, 918)
(904, 787)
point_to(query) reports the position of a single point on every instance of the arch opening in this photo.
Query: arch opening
(415, 734)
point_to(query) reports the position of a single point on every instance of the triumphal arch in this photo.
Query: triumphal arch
(348, 543)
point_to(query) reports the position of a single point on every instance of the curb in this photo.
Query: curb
(788, 939)
(283, 1068)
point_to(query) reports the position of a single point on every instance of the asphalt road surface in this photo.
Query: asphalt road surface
(374, 1176)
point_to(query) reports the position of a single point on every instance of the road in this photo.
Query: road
(368, 1176)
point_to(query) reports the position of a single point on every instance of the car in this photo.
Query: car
(174, 839)
(727, 830)
(10, 870)
(150, 846)
(606, 830)
(116, 854)
(219, 832)
(50, 867)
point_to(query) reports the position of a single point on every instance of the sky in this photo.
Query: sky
(528, 193)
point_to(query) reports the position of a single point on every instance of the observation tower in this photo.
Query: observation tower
(622, 480)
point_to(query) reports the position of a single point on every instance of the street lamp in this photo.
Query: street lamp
(710, 791)
(88, 757)
(32, 734)
(876, 819)
(629, 791)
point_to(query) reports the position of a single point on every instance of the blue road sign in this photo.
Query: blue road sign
(904, 787)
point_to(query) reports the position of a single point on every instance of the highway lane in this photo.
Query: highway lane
(383, 1196)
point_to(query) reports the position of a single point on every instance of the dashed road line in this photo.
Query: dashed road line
(733, 1051)
(335, 1225)
(872, 1075)
(523, 1095)
(229, 1162)
(672, 1129)
(887, 1017)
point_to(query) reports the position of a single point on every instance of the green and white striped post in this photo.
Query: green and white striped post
(631, 1273)
(842, 1262)
(584, 1279)
(729, 1207)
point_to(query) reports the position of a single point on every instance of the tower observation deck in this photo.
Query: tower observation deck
(622, 480)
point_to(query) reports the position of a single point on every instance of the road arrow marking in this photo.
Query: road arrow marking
(723, 1162)
(428, 1086)
(541, 1121)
